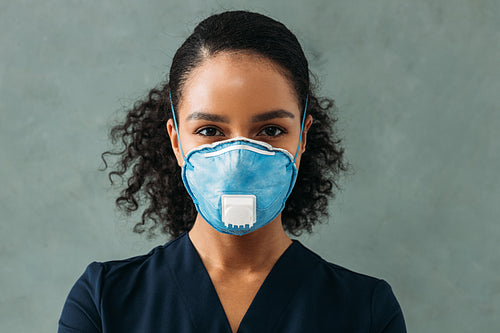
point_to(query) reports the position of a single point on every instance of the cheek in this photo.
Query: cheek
(292, 145)
(187, 139)
(187, 144)
(297, 163)
(191, 141)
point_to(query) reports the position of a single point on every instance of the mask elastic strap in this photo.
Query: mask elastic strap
(175, 124)
(301, 128)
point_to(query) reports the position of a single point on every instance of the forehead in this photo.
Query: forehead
(238, 80)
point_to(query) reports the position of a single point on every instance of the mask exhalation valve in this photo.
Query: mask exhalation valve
(239, 210)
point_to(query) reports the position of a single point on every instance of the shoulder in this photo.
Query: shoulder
(157, 253)
(113, 271)
(369, 296)
(104, 282)
(341, 276)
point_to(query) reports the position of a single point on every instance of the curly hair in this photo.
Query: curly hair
(155, 178)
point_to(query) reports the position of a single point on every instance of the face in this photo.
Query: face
(238, 94)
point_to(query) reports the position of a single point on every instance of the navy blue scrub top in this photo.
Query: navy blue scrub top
(169, 290)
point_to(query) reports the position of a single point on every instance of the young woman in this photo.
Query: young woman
(231, 152)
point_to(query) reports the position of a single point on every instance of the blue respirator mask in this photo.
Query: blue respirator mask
(239, 185)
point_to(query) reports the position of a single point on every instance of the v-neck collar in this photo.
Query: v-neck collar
(268, 305)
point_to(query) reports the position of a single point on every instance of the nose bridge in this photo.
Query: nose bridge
(240, 128)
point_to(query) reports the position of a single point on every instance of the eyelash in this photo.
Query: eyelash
(281, 130)
(207, 128)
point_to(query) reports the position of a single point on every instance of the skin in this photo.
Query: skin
(236, 94)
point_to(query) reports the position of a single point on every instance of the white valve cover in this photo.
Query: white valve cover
(239, 210)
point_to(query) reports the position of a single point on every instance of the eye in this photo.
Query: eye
(272, 131)
(209, 131)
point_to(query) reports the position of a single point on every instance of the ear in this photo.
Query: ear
(307, 124)
(174, 141)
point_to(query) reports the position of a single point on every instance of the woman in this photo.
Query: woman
(217, 152)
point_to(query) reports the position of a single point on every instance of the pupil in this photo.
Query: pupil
(210, 131)
(271, 131)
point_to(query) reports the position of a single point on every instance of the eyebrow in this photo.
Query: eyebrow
(280, 113)
(272, 115)
(208, 117)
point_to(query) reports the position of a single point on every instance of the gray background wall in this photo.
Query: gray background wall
(417, 85)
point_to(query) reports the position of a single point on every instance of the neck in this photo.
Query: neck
(253, 252)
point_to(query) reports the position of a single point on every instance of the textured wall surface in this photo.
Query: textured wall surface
(417, 86)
